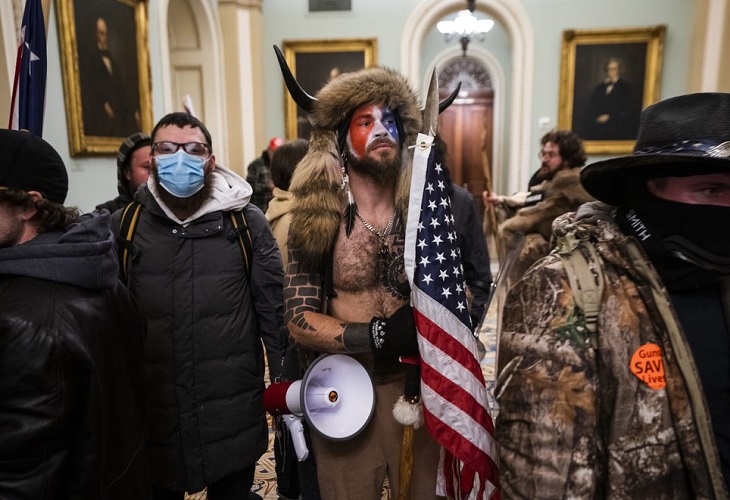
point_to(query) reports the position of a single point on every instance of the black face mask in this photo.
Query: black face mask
(688, 244)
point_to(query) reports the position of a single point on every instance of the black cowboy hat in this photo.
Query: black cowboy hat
(680, 136)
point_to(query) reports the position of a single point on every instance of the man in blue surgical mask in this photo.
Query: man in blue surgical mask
(208, 308)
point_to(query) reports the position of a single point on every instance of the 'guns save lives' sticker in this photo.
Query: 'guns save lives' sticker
(647, 365)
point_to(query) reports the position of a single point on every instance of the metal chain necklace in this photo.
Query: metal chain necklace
(383, 248)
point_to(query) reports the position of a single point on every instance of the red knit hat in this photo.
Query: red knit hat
(274, 143)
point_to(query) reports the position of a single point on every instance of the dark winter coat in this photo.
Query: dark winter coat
(72, 413)
(473, 248)
(206, 320)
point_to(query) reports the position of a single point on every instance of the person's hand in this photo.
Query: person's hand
(491, 199)
(396, 335)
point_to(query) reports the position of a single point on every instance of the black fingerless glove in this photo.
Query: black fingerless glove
(396, 335)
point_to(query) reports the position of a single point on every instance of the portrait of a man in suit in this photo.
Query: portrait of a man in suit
(613, 108)
(109, 95)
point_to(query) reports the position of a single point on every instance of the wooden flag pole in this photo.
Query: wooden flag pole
(46, 6)
(490, 208)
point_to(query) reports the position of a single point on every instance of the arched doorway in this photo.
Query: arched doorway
(467, 125)
(513, 172)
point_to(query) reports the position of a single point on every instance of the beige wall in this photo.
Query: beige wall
(709, 71)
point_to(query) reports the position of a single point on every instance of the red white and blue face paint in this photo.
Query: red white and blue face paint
(372, 131)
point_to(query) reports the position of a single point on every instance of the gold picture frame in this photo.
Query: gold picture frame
(106, 72)
(313, 63)
(603, 110)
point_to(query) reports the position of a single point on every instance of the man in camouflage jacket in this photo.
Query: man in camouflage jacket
(639, 407)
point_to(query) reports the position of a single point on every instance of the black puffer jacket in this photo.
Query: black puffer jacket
(206, 319)
(72, 418)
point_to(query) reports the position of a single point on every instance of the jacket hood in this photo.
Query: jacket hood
(82, 254)
(230, 192)
(280, 204)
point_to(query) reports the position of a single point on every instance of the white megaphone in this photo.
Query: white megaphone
(335, 396)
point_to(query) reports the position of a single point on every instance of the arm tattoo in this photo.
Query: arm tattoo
(301, 322)
(301, 293)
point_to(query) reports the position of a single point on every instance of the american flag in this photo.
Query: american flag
(452, 384)
(29, 87)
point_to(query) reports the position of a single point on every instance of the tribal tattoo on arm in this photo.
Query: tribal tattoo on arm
(307, 325)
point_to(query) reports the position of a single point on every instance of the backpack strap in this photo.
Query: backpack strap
(240, 226)
(585, 275)
(130, 217)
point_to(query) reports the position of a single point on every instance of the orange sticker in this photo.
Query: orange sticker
(647, 365)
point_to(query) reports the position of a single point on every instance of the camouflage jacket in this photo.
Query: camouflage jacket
(616, 414)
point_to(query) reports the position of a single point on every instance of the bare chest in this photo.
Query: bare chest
(364, 264)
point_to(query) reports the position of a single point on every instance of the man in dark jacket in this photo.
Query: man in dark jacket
(472, 244)
(72, 414)
(206, 316)
(133, 169)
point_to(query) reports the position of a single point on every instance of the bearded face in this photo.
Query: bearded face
(552, 162)
(372, 143)
(11, 224)
(190, 204)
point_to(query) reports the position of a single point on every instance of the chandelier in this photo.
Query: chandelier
(465, 27)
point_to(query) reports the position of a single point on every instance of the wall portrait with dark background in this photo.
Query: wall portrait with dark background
(109, 97)
(607, 77)
(316, 62)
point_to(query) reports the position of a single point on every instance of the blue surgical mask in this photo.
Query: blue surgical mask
(181, 174)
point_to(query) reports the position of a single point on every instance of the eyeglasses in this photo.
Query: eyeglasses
(548, 155)
(191, 148)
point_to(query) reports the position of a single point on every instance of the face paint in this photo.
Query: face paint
(372, 129)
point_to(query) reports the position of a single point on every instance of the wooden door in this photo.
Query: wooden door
(467, 127)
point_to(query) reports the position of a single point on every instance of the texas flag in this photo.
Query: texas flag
(29, 87)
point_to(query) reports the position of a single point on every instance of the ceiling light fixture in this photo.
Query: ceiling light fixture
(465, 27)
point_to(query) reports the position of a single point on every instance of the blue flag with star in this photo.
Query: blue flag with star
(29, 88)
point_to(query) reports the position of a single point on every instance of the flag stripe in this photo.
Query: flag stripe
(449, 344)
(467, 427)
(460, 400)
(14, 99)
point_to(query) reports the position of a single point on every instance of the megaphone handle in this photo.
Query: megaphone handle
(296, 430)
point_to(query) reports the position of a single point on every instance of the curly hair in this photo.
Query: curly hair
(51, 216)
(569, 144)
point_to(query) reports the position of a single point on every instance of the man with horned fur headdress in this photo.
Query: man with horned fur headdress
(346, 289)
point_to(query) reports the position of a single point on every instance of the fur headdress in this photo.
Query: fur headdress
(318, 180)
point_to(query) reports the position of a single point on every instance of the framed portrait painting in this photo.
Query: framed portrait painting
(314, 63)
(606, 78)
(106, 72)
